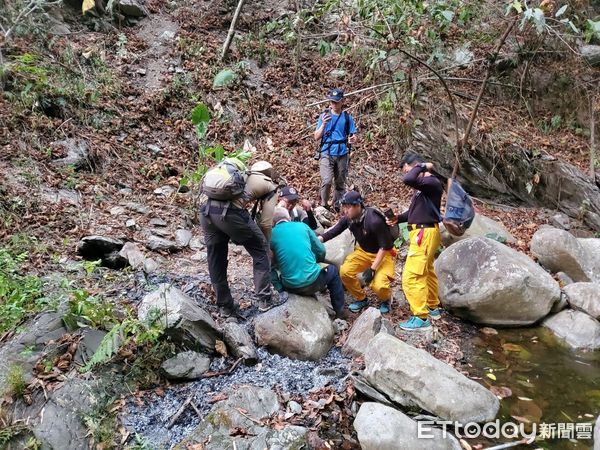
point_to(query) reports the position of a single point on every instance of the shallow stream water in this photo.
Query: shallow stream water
(549, 383)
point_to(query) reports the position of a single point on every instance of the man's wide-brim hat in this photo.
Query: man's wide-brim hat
(336, 95)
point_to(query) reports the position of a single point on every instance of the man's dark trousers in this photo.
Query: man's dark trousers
(236, 225)
(330, 278)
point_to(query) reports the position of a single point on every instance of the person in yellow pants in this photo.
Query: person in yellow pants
(419, 280)
(371, 263)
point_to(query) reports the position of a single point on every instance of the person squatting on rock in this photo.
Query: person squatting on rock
(335, 130)
(296, 252)
(419, 280)
(223, 221)
(372, 257)
(299, 211)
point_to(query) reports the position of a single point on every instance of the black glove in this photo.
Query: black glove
(368, 275)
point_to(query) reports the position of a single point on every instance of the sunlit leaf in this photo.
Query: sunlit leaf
(561, 11)
(491, 376)
(87, 5)
(223, 78)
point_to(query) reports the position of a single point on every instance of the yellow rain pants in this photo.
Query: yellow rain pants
(419, 280)
(357, 262)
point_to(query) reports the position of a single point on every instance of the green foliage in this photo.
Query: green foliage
(404, 235)
(224, 78)
(36, 82)
(129, 331)
(15, 381)
(592, 30)
(20, 294)
(201, 119)
(101, 423)
(88, 311)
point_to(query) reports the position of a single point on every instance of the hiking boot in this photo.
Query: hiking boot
(358, 306)
(436, 313)
(267, 304)
(385, 307)
(415, 324)
(343, 314)
(229, 310)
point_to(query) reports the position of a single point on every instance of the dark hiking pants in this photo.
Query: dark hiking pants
(333, 170)
(236, 225)
(330, 278)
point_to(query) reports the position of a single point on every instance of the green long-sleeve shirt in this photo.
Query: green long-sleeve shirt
(296, 252)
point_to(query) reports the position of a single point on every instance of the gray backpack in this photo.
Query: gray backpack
(226, 181)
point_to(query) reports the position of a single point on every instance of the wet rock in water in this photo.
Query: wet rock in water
(186, 366)
(585, 297)
(240, 343)
(244, 409)
(98, 247)
(183, 237)
(185, 322)
(365, 327)
(161, 244)
(134, 256)
(576, 328)
(338, 248)
(299, 329)
(489, 283)
(560, 251)
(414, 379)
(381, 427)
(482, 226)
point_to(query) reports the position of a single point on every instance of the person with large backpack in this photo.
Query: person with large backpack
(419, 280)
(372, 261)
(336, 131)
(230, 189)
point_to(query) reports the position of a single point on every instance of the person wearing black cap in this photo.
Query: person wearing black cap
(372, 259)
(419, 280)
(336, 130)
(299, 211)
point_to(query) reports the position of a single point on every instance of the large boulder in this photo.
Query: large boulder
(365, 328)
(184, 321)
(380, 427)
(560, 251)
(244, 409)
(339, 247)
(413, 378)
(299, 329)
(584, 296)
(576, 328)
(186, 366)
(482, 226)
(487, 282)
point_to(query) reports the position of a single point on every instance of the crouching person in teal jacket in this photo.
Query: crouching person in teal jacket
(296, 255)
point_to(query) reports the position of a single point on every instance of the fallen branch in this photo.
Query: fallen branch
(175, 417)
(223, 372)
(231, 32)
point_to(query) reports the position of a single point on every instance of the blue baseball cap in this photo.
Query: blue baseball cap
(336, 95)
(352, 198)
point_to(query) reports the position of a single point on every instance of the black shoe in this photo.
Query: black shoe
(267, 304)
(342, 315)
(229, 310)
